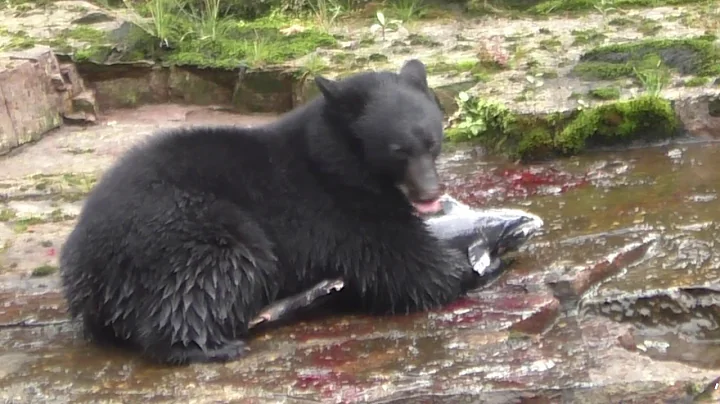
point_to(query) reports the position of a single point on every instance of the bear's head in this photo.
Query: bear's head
(394, 125)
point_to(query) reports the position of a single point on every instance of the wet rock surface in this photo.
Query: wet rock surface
(617, 299)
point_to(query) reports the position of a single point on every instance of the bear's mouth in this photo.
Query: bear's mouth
(427, 207)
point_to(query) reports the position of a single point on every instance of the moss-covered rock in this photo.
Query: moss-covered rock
(697, 56)
(201, 86)
(696, 81)
(605, 93)
(643, 118)
(262, 91)
(532, 137)
(559, 6)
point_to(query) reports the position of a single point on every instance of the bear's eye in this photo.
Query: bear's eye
(433, 147)
(399, 151)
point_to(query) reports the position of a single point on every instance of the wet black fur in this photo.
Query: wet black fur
(189, 235)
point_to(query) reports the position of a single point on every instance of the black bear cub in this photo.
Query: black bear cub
(188, 236)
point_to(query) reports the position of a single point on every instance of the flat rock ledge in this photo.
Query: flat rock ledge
(40, 94)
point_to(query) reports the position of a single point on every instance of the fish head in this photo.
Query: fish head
(452, 206)
(507, 229)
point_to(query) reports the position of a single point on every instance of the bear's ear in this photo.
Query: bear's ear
(344, 99)
(329, 88)
(414, 72)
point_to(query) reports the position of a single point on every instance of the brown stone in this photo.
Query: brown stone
(125, 85)
(35, 93)
(83, 107)
(699, 115)
(264, 91)
(192, 85)
(578, 280)
(30, 100)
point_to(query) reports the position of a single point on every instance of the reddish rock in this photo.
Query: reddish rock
(35, 93)
(575, 283)
(700, 116)
(28, 97)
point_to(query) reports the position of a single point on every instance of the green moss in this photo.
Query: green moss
(422, 40)
(561, 6)
(19, 40)
(6, 215)
(57, 215)
(696, 82)
(698, 56)
(602, 70)
(621, 22)
(649, 27)
(377, 57)
(223, 43)
(537, 143)
(535, 137)
(86, 34)
(605, 93)
(550, 44)
(92, 53)
(250, 46)
(478, 70)
(22, 225)
(494, 126)
(642, 118)
(585, 37)
(44, 270)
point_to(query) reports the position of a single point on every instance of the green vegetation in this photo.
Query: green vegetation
(586, 37)
(21, 225)
(44, 270)
(621, 22)
(605, 93)
(649, 27)
(643, 118)
(496, 127)
(550, 44)
(698, 56)
(479, 70)
(201, 33)
(696, 82)
(561, 6)
(6, 215)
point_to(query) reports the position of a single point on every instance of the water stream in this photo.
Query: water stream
(626, 267)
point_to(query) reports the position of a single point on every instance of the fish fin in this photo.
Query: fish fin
(479, 257)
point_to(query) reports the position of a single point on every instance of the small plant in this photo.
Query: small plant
(604, 7)
(519, 54)
(408, 10)
(381, 21)
(209, 19)
(654, 79)
(492, 56)
(325, 12)
(313, 66)
(161, 12)
(479, 118)
(255, 51)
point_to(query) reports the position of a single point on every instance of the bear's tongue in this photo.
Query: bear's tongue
(428, 207)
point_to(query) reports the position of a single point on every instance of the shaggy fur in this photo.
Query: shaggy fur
(188, 236)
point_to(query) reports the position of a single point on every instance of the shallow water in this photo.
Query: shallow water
(618, 296)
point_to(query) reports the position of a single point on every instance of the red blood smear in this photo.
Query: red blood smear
(514, 183)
